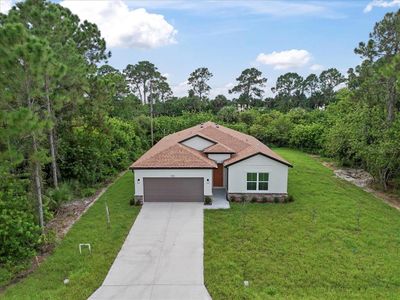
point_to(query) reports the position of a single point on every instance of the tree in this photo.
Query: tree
(311, 85)
(59, 27)
(329, 80)
(160, 89)
(198, 82)
(383, 47)
(140, 77)
(228, 114)
(78, 45)
(289, 84)
(24, 61)
(219, 102)
(249, 86)
(289, 91)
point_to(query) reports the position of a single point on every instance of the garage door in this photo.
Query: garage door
(173, 189)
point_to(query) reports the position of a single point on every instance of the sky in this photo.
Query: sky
(229, 36)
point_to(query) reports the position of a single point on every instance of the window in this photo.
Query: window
(251, 181)
(257, 181)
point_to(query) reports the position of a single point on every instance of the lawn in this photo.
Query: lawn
(85, 271)
(334, 242)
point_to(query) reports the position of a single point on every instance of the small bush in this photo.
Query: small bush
(253, 199)
(132, 202)
(290, 198)
(264, 199)
(243, 198)
(64, 193)
(232, 199)
(276, 200)
(88, 191)
(207, 200)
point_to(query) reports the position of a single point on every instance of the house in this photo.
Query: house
(188, 165)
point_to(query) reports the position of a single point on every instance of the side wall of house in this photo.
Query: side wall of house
(278, 175)
(139, 174)
(197, 143)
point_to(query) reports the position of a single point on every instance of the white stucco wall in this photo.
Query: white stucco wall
(219, 158)
(198, 143)
(204, 173)
(278, 175)
(225, 177)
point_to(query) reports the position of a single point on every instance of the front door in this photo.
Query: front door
(218, 176)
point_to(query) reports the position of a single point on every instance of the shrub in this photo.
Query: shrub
(264, 199)
(232, 199)
(307, 136)
(19, 234)
(64, 193)
(228, 114)
(243, 198)
(276, 200)
(207, 200)
(253, 199)
(290, 198)
(132, 202)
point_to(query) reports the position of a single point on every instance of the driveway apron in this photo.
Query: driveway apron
(162, 257)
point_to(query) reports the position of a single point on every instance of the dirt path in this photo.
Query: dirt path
(362, 179)
(72, 211)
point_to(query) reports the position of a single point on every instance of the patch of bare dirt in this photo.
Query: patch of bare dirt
(70, 212)
(362, 179)
(357, 177)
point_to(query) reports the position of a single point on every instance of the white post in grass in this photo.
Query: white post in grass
(108, 216)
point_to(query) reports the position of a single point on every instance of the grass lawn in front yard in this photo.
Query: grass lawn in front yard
(334, 242)
(85, 271)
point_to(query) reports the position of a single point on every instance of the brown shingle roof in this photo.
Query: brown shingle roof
(170, 153)
(218, 148)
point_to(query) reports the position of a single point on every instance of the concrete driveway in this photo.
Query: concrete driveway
(162, 257)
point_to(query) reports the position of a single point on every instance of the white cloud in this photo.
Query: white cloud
(222, 90)
(322, 9)
(5, 6)
(340, 86)
(381, 3)
(287, 59)
(181, 89)
(125, 27)
(316, 67)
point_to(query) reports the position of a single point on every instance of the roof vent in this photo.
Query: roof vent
(201, 125)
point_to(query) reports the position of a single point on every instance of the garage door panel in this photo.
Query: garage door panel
(173, 189)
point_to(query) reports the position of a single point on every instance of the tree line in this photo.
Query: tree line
(69, 120)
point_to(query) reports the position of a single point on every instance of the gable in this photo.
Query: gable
(198, 143)
(258, 160)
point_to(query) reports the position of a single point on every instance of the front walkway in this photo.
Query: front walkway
(162, 257)
(219, 200)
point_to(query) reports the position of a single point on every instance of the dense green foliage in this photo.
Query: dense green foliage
(334, 241)
(69, 121)
(85, 271)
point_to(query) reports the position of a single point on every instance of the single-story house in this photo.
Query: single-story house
(188, 165)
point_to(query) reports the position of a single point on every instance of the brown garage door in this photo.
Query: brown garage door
(173, 189)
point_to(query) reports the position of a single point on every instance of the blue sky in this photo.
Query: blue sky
(229, 36)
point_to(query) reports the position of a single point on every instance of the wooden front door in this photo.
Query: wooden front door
(218, 176)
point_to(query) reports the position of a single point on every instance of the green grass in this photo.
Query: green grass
(334, 242)
(86, 272)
